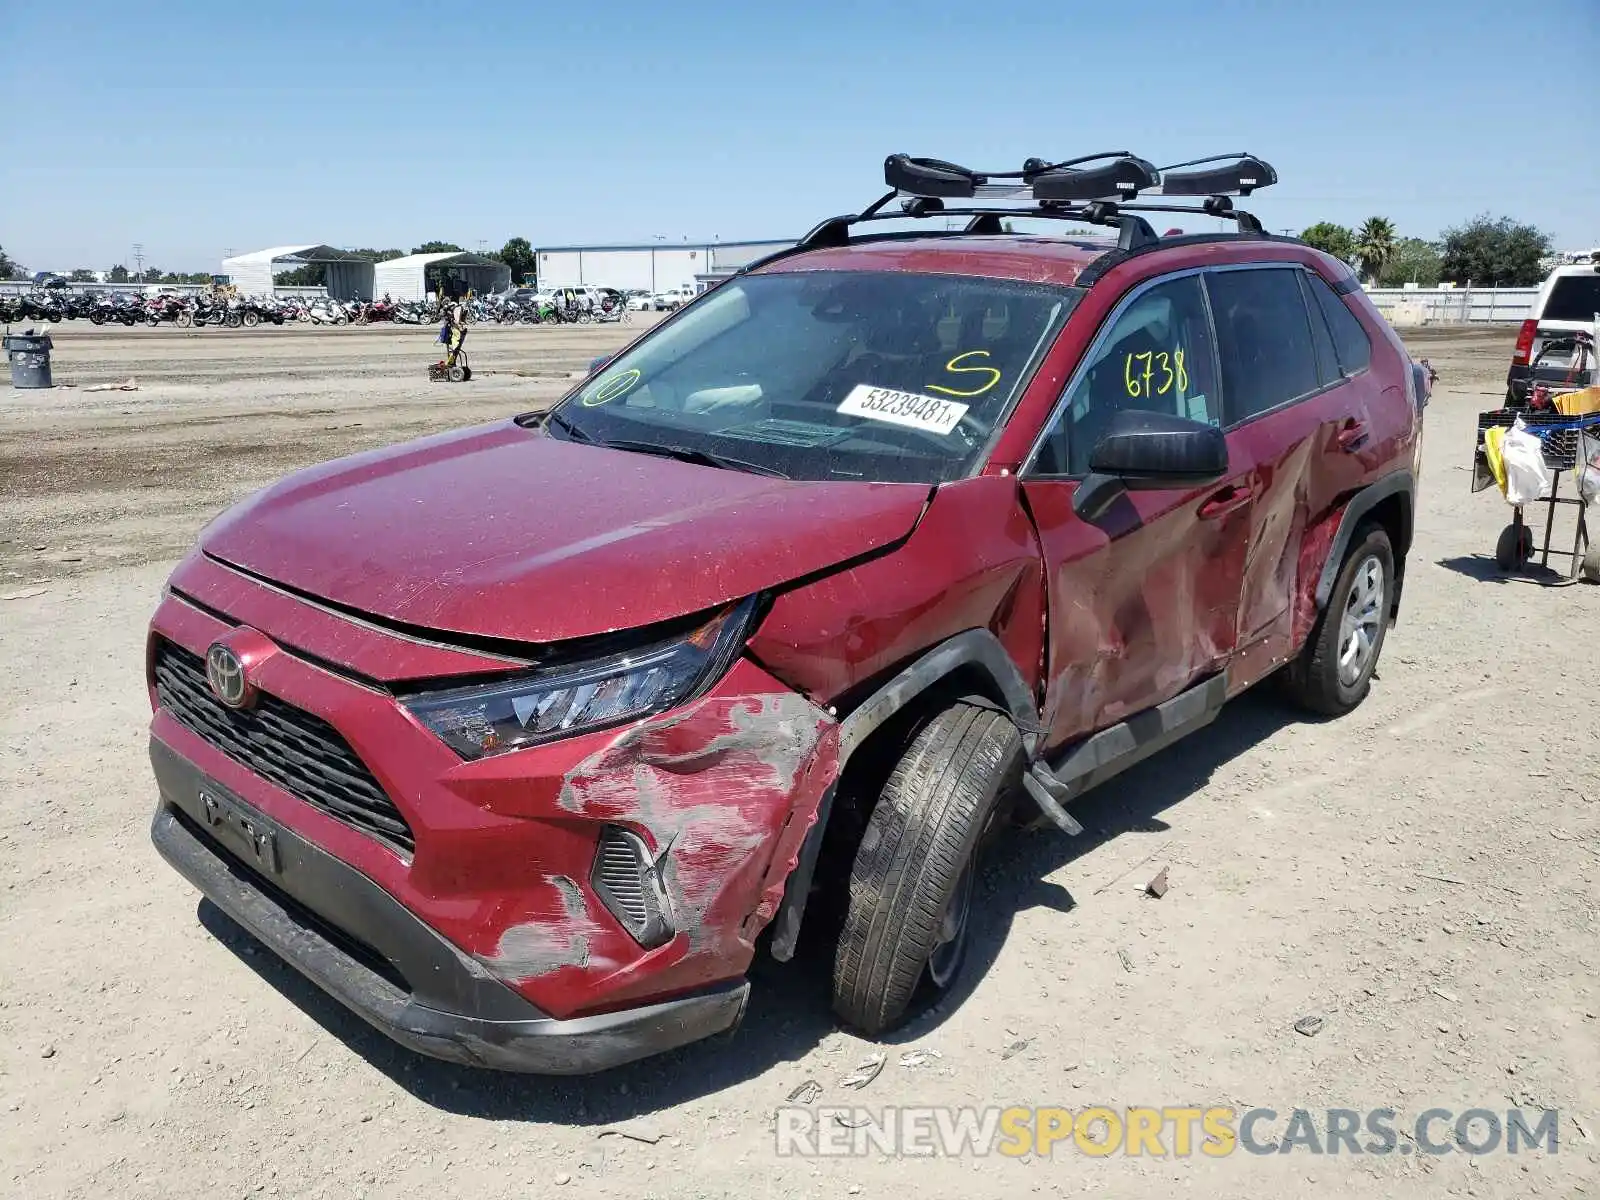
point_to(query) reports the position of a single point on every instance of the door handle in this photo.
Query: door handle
(1228, 500)
(1352, 435)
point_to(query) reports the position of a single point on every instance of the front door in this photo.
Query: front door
(1145, 601)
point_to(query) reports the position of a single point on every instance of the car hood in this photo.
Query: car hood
(504, 532)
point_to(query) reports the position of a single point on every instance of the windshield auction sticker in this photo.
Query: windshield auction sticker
(911, 409)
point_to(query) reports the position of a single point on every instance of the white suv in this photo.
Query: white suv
(1556, 344)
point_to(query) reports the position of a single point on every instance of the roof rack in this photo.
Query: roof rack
(1095, 189)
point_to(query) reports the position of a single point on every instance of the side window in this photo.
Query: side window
(1156, 355)
(1264, 335)
(1327, 356)
(1349, 337)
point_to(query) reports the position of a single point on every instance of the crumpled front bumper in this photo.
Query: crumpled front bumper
(361, 946)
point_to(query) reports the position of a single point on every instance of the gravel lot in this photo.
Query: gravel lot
(1423, 874)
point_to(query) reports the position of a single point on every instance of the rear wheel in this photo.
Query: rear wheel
(915, 872)
(1334, 672)
(456, 374)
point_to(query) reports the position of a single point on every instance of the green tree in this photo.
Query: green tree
(380, 255)
(310, 275)
(1494, 252)
(1414, 261)
(10, 268)
(150, 275)
(117, 274)
(437, 248)
(1374, 246)
(81, 275)
(1331, 239)
(518, 255)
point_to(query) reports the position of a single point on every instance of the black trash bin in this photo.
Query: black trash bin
(30, 359)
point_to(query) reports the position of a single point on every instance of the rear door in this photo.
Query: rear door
(1302, 423)
(1144, 602)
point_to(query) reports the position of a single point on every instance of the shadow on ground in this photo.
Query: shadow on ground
(789, 1010)
(1484, 569)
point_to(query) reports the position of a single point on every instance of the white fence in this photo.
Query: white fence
(1457, 306)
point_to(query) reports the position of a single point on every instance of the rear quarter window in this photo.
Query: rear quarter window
(1349, 335)
(1573, 298)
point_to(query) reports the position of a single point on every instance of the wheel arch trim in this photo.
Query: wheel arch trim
(977, 649)
(1396, 483)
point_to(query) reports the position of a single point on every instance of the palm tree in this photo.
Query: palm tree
(1375, 246)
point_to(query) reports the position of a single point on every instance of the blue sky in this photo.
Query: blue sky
(196, 127)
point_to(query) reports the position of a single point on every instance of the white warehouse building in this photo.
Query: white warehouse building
(652, 266)
(415, 275)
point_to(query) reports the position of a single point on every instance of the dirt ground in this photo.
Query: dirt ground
(1423, 874)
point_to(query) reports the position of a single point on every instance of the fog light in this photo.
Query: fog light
(628, 884)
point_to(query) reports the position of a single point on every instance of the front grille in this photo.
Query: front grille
(301, 753)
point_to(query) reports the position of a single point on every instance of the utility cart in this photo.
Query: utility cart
(1562, 444)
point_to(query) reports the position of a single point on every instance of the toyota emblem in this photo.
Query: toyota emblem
(225, 674)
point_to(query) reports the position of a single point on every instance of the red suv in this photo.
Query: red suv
(519, 740)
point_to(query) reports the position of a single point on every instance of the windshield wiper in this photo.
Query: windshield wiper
(555, 418)
(704, 458)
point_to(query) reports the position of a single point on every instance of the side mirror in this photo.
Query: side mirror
(1146, 451)
(597, 363)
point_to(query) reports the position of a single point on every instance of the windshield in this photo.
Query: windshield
(883, 376)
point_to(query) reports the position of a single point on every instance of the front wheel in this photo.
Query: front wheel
(252, 319)
(1334, 672)
(912, 885)
(183, 320)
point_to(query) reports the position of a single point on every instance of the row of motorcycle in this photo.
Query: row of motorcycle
(247, 312)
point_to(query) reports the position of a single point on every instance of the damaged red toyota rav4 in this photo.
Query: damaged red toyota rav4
(519, 741)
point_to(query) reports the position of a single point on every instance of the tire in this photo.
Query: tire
(183, 320)
(456, 374)
(252, 319)
(341, 319)
(96, 319)
(916, 864)
(1511, 551)
(1334, 671)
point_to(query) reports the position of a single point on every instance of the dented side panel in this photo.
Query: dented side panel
(1141, 604)
(974, 562)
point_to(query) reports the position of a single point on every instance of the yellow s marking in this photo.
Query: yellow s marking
(954, 369)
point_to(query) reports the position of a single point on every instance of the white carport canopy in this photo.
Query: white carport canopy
(348, 276)
(407, 278)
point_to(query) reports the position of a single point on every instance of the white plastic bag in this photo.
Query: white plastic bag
(1589, 468)
(1527, 478)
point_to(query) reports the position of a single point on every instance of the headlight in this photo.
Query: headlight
(479, 721)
